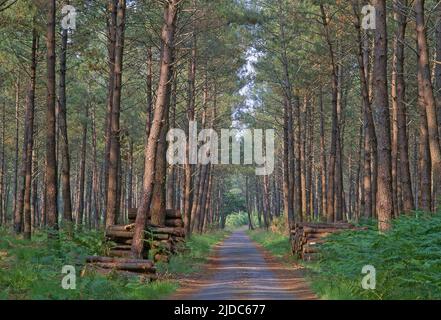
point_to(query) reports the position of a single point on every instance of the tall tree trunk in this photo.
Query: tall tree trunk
(82, 175)
(381, 104)
(188, 185)
(298, 205)
(158, 205)
(425, 165)
(162, 100)
(95, 180)
(148, 121)
(51, 209)
(114, 183)
(30, 106)
(111, 44)
(323, 175)
(171, 172)
(17, 106)
(428, 99)
(330, 212)
(62, 125)
(302, 126)
(400, 96)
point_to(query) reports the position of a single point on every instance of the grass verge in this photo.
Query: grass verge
(276, 243)
(198, 250)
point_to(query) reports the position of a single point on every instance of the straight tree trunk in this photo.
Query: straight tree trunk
(162, 100)
(30, 106)
(298, 205)
(62, 125)
(330, 211)
(114, 183)
(400, 96)
(82, 175)
(188, 193)
(51, 208)
(428, 99)
(17, 106)
(381, 105)
(95, 174)
(111, 45)
(323, 175)
(425, 164)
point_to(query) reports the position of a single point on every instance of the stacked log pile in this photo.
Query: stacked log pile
(122, 236)
(305, 237)
(165, 240)
(106, 265)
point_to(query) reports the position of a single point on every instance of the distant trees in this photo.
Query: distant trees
(357, 125)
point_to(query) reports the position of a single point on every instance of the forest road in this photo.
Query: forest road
(240, 269)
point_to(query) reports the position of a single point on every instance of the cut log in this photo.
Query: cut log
(161, 236)
(119, 234)
(120, 253)
(117, 228)
(130, 274)
(174, 223)
(173, 214)
(167, 230)
(146, 267)
(126, 247)
(93, 259)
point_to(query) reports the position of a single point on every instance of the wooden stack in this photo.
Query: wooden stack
(164, 240)
(173, 218)
(306, 236)
(106, 265)
(122, 236)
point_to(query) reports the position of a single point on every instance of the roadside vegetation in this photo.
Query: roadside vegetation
(407, 259)
(32, 269)
(199, 247)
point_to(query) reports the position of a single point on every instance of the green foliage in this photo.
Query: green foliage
(197, 250)
(32, 270)
(407, 261)
(240, 219)
(276, 243)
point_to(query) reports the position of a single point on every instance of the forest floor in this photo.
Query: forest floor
(239, 268)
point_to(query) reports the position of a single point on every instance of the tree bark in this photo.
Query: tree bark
(428, 99)
(29, 123)
(381, 105)
(82, 175)
(62, 126)
(399, 100)
(162, 100)
(51, 209)
(114, 181)
(330, 211)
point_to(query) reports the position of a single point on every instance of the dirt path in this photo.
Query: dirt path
(241, 269)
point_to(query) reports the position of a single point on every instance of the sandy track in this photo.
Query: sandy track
(241, 269)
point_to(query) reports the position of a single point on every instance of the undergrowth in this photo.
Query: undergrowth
(32, 270)
(407, 260)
